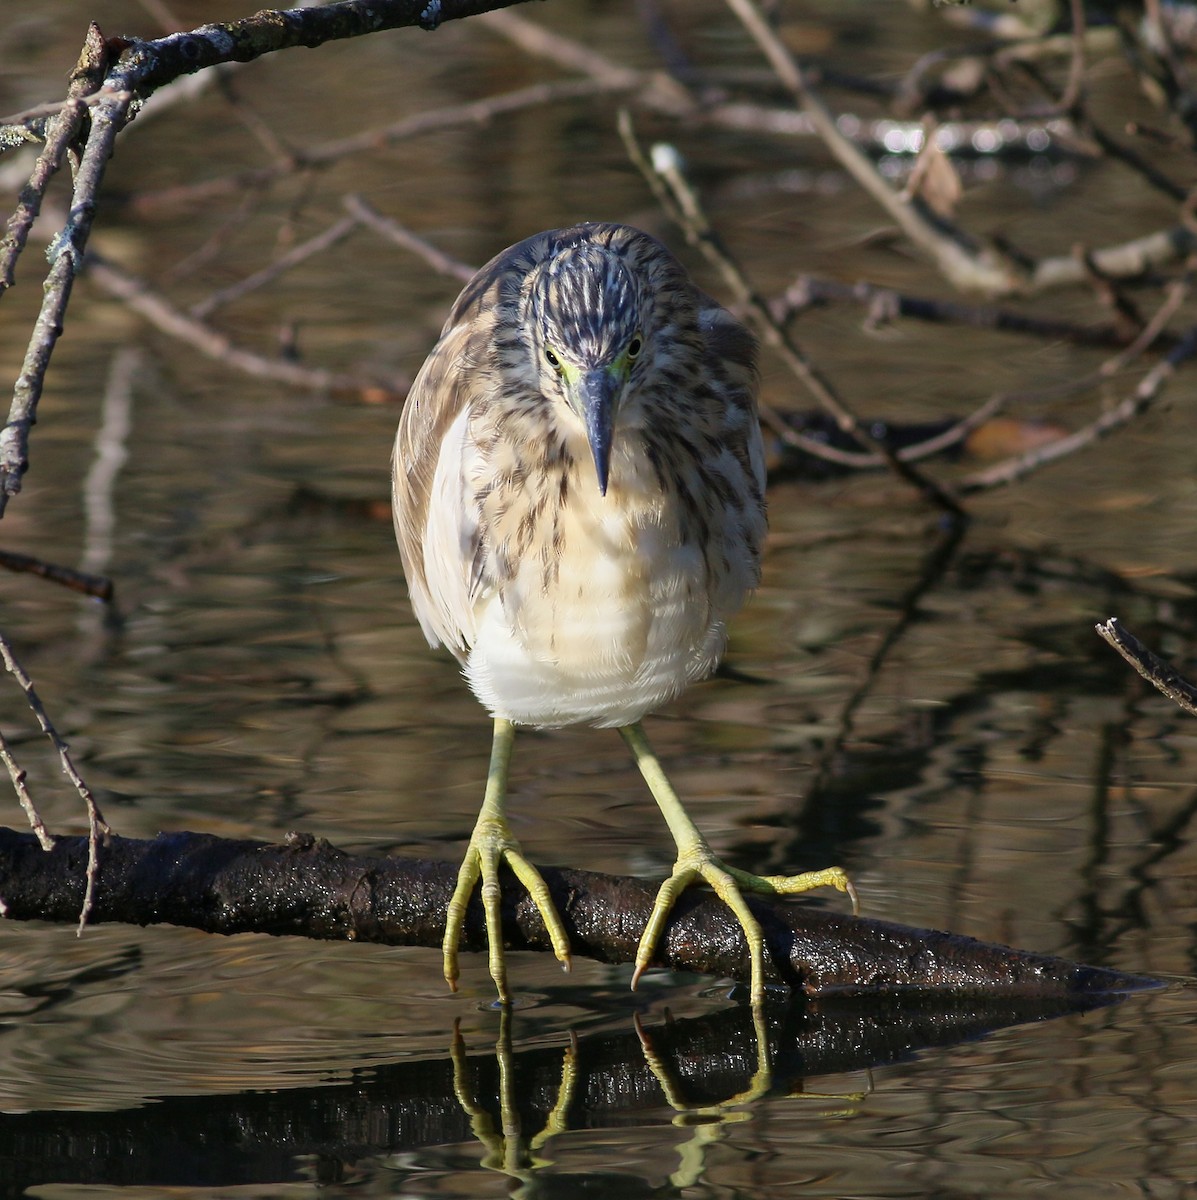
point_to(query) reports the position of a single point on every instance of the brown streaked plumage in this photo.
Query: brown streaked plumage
(578, 497)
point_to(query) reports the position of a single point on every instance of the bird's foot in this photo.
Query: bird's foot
(491, 842)
(696, 861)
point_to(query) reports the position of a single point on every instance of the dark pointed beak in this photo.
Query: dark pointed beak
(599, 393)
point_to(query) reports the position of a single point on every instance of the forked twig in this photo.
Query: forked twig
(19, 776)
(96, 825)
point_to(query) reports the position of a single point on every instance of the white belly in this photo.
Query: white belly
(620, 624)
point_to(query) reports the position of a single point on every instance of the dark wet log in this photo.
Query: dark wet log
(308, 888)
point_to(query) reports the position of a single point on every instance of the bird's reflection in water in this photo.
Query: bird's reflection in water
(507, 1148)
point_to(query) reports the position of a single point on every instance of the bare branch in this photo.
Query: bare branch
(964, 263)
(1143, 397)
(1160, 674)
(309, 888)
(438, 260)
(97, 826)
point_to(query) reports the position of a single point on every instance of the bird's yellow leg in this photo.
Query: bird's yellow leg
(696, 860)
(491, 842)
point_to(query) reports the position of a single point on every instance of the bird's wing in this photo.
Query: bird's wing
(730, 354)
(436, 522)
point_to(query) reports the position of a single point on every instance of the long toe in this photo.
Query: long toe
(480, 865)
(455, 915)
(794, 885)
(730, 884)
(491, 843)
(654, 927)
(532, 879)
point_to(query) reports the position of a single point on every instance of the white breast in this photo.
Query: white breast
(621, 625)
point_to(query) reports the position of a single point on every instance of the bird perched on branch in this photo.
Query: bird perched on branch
(578, 498)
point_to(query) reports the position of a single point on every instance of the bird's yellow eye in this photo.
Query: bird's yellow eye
(551, 359)
(635, 346)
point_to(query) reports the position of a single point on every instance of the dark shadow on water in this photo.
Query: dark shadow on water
(692, 1066)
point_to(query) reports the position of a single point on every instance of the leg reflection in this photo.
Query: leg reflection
(506, 1149)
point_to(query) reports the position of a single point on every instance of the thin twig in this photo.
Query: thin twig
(474, 114)
(258, 127)
(1071, 97)
(1160, 674)
(19, 776)
(96, 825)
(1141, 399)
(1174, 296)
(438, 260)
(211, 342)
(562, 51)
(86, 583)
(38, 112)
(336, 232)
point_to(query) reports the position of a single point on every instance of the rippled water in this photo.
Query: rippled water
(1003, 776)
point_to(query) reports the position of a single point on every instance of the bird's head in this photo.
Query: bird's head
(589, 339)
